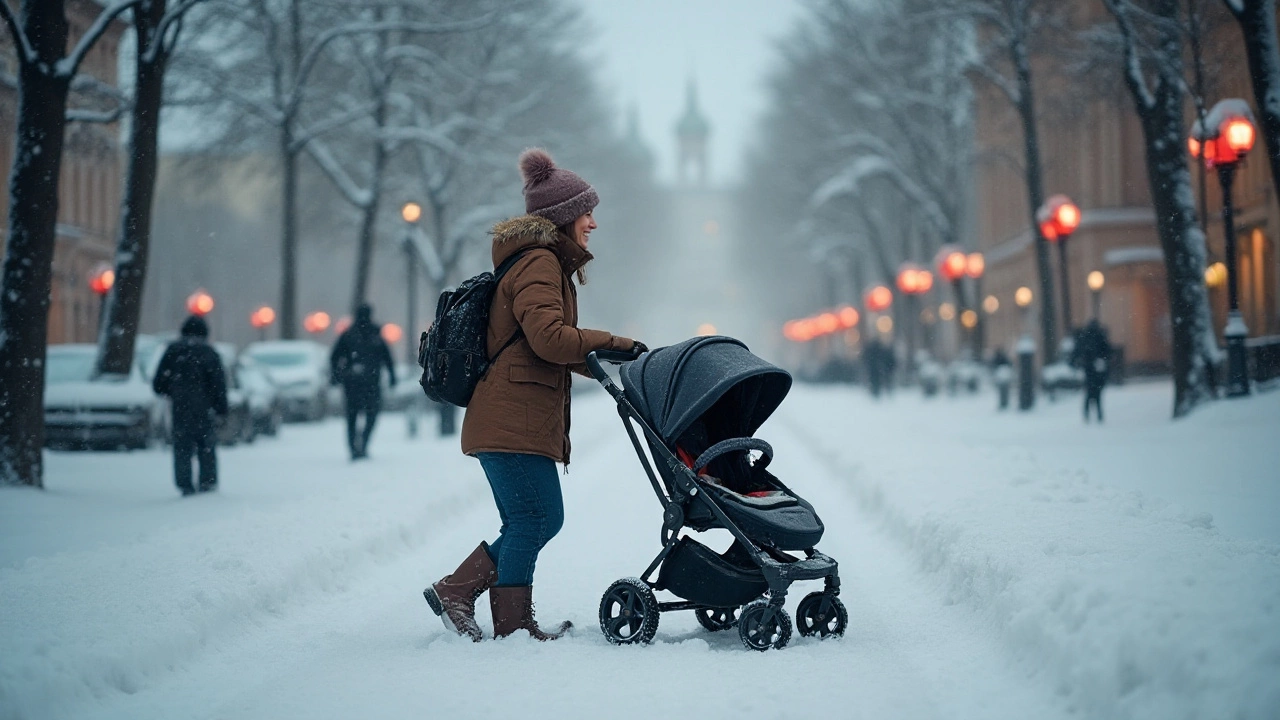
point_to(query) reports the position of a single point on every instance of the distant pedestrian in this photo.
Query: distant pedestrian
(879, 361)
(1002, 375)
(191, 375)
(1092, 353)
(356, 363)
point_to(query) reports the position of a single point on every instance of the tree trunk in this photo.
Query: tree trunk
(1035, 194)
(288, 239)
(1194, 348)
(119, 329)
(1257, 20)
(28, 258)
(369, 221)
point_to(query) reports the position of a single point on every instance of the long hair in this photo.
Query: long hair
(567, 231)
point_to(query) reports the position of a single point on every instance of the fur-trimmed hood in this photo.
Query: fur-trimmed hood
(516, 234)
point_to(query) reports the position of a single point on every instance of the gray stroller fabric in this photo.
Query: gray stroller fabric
(672, 386)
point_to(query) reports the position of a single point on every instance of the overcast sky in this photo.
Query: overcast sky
(646, 50)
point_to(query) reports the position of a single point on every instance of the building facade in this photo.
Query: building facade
(89, 185)
(1093, 151)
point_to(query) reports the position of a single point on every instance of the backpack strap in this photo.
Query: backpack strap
(498, 272)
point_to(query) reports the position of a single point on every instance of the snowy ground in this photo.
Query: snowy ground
(995, 566)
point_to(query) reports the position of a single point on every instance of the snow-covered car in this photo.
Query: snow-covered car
(84, 412)
(300, 370)
(264, 398)
(237, 425)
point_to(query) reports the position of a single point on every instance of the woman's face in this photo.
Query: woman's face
(582, 228)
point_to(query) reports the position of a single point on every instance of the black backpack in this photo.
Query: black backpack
(453, 353)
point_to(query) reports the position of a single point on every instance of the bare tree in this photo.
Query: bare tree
(1257, 19)
(1008, 31)
(45, 70)
(156, 29)
(247, 39)
(1150, 37)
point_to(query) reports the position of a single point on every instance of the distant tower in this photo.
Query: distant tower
(691, 134)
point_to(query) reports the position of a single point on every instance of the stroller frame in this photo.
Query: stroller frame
(778, 573)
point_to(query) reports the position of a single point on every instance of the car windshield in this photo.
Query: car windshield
(63, 367)
(281, 359)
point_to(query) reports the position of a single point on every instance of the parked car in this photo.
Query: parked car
(264, 398)
(237, 425)
(84, 412)
(407, 390)
(300, 369)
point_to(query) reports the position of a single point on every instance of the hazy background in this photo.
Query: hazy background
(647, 49)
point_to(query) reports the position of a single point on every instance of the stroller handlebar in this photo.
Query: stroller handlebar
(610, 356)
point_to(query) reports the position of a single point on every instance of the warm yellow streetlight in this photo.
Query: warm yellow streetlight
(1022, 296)
(706, 329)
(947, 311)
(1215, 276)
(969, 319)
(884, 324)
(1096, 280)
(991, 304)
(411, 212)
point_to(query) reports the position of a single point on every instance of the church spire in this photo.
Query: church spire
(692, 131)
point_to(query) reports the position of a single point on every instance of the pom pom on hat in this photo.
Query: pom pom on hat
(536, 166)
(551, 192)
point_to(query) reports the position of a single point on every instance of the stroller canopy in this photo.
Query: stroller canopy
(671, 387)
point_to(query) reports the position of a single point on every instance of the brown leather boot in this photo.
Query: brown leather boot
(513, 610)
(454, 597)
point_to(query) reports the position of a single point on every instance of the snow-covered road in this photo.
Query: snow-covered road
(994, 566)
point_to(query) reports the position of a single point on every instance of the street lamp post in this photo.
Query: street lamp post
(1026, 352)
(411, 212)
(1223, 140)
(1096, 281)
(912, 281)
(101, 280)
(975, 265)
(1058, 218)
(953, 265)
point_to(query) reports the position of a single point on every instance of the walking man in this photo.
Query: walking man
(357, 361)
(1092, 354)
(191, 375)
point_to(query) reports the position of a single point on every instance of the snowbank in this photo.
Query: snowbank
(1130, 603)
(110, 617)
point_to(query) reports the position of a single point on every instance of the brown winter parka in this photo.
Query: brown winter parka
(522, 403)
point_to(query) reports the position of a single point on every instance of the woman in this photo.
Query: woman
(517, 423)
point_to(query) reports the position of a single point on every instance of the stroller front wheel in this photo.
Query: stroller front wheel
(761, 627)
(821, 614)
(717, 619)
(629, 612)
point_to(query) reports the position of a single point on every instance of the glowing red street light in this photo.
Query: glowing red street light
(342, 324)
(848, 317)
(392, 333)
(101, 279)
(316, 322)
(1059, 218)
(951, 263)
(262, 317)
(878, 298)
(200, 303)
(974, 265)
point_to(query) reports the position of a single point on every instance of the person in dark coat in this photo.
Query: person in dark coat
(357, 361)
(191, 375)
(1092, 354)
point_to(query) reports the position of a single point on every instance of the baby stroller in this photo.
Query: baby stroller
(698, 404)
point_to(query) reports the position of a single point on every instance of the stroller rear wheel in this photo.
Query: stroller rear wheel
(629, 612)
(760, 632)
(821, 614)
(717, 619)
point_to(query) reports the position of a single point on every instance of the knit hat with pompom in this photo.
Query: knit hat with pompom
(554, 193)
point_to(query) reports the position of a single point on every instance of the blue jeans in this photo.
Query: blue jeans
(527, 491)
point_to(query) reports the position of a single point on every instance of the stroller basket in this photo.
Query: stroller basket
(697, 573)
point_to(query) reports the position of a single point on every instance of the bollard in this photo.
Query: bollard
(1026, 372)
